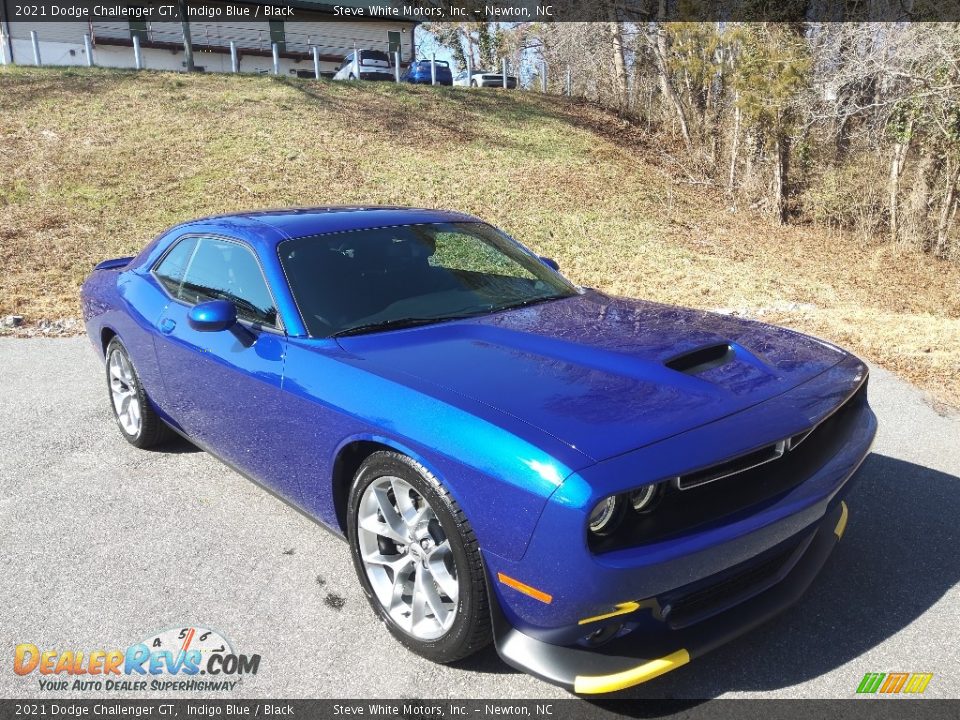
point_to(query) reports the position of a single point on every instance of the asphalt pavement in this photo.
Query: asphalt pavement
(104, 545)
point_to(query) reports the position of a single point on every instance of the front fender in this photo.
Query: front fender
(500, 480)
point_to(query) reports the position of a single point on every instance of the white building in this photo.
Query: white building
(161, 43)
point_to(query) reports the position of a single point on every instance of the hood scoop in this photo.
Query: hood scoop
(702, 359)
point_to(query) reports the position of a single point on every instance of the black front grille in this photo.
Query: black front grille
(737, 465)
(753, 578)
(727, 497)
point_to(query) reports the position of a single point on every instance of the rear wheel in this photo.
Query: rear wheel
(135, 417)
(417, 559)
(473, 83)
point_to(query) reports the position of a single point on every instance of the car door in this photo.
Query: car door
(223, 387)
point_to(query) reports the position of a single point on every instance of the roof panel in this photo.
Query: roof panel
(301, 222)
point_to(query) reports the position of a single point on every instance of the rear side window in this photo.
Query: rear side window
(374, 57)
(215, 269)
(172, 269)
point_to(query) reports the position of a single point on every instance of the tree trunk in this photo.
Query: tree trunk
(752, 146)
(661, 50)
(619, 64)
(946, 209)
(916, 227)
(187, 40)
(897, 163)
(781, 155)
(734, 144)
(469, 51)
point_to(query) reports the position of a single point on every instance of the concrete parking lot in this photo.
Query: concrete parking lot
(104, 545)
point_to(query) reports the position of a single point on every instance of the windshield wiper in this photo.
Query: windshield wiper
(529, 301)
(397, 323)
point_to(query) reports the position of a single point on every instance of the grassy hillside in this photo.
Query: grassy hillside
(93, 163)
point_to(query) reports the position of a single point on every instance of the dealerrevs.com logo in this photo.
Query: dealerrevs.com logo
(174, 659)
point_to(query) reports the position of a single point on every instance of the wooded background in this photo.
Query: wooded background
(851, 125)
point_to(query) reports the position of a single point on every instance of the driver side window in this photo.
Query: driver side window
(215, 269)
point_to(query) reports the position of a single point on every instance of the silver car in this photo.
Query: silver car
(483, 78)
(365, 65)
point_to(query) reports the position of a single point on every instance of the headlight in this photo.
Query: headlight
(642, 500)
(604, 517)
(607, 514)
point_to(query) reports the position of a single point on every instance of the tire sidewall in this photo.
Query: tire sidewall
(384, 464)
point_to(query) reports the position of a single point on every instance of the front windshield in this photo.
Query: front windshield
(367, 280)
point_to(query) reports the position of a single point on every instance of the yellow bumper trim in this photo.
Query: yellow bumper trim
(593, 684)
(842, 522)
(622, 609)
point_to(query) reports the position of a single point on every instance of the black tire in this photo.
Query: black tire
(152, 431)
(473, 83)
(471, 629)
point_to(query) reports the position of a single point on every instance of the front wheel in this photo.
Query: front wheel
(417, 559)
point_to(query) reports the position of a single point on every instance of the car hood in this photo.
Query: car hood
(604, 375)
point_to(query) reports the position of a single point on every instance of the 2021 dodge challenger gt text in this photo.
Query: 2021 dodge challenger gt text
(604, 487)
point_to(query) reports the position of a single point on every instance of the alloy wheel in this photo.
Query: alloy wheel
(407, 558)
(123, 393)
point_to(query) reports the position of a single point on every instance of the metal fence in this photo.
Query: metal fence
(235, 40)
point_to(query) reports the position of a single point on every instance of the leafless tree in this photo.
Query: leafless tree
(783, 115)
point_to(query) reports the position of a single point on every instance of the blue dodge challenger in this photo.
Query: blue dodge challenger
(603, 487)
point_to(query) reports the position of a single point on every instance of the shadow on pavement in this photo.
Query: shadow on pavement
(177, 445)
(485, 661)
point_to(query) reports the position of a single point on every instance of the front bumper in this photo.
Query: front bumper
(640, 656)
(559, 605)
(417, 80)
(498, 83)
(375, 75)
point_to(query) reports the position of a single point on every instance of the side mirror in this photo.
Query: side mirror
(213, 316)
(550, 263)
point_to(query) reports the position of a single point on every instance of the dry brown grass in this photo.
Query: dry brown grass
(93, 163)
